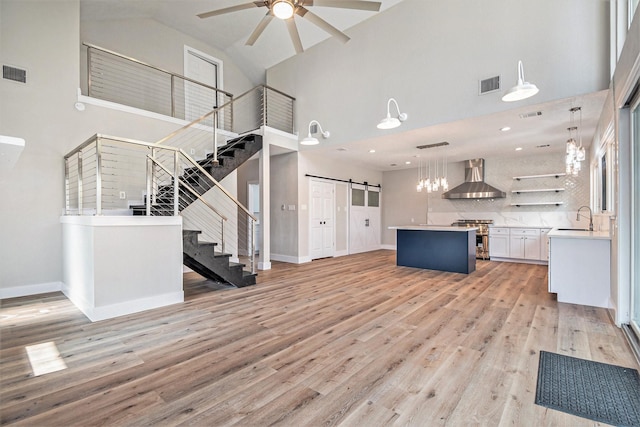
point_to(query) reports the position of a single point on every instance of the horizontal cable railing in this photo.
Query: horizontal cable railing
(117, 78)
(102, 171)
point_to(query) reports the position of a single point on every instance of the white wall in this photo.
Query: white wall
(151, 42)
(312, 163)
(399, 189)
(44, 38)
(429, 55)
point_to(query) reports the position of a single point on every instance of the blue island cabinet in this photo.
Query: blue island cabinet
(437, 248)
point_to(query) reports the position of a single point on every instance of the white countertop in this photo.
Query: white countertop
(579, 234)
(432, 228)
(519, 226)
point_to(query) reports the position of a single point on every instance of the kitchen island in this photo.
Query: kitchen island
(579, 266)
(441, 248)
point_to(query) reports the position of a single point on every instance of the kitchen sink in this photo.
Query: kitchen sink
(573, 229)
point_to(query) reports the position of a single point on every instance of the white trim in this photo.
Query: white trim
(133, 110)
(264, 265)
(389, 247)
(520, 261)
(28, 290)
(290, 259)
(218, 62)
(341, 253)
(121, 221)
(124, 308)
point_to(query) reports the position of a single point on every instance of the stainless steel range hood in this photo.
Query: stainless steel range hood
(474, 186)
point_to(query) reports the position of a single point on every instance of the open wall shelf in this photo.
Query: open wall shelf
(537, 204)
(538, 190)
(548, 175)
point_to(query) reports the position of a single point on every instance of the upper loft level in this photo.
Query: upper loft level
(114, 80)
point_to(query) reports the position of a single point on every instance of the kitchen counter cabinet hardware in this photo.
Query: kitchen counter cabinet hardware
(524, 243)
(537, 204)
(519, 244)
(548, 175)
(538, 190)
(498, 242)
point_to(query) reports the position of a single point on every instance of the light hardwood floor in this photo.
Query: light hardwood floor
(352, 341)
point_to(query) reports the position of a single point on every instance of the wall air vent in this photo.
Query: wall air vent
(489, 85)
(437, 144)
(13, 73)
(532, 114)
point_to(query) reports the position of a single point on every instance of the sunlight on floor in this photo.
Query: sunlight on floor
(45, 358)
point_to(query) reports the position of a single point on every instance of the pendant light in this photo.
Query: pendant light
(522, 90)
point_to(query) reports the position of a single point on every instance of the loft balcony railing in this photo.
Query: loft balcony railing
(117, 78)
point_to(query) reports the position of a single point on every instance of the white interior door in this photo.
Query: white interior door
(322, 227)
(205, 69)
(364, 219)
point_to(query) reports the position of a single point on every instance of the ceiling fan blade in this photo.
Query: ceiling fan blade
(259, 29)
(315, 19)
(293, 33)
(230, 9)
(373, 6)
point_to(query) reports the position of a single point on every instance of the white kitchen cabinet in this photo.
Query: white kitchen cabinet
(524, 243)
(498, 242)
(579, 267)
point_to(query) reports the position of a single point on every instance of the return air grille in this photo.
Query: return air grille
(489, 85)
(15, 74)
(437, 144)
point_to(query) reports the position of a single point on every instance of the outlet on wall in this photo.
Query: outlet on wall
(123, 195)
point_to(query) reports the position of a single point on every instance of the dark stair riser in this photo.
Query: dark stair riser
(205, 260)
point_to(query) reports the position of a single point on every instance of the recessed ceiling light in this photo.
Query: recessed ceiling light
(407, 163)
(505, 129)
(519, 149)
(372, 151)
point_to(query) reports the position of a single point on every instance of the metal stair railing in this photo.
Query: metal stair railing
(104, 169)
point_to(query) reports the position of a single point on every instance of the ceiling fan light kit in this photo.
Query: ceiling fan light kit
(522, 90)
(282, 9)
(310, 140)
(392, 122)
(286, 11)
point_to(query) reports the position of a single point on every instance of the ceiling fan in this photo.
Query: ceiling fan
(287, 9)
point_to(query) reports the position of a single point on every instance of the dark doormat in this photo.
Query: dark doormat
(593, 390)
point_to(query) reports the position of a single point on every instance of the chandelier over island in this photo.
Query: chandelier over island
(435, 184)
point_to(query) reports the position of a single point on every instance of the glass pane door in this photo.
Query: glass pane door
(635, 221)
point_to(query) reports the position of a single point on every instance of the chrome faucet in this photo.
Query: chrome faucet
(590, 217)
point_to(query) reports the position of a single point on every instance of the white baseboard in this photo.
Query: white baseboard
(341, 253)
(290, 259)
(264, 265)
(96, 314)
(27, 290)
(520, 261)
(389, 247)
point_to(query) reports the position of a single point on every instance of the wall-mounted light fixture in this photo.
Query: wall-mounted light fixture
(392, 122)
(522, 90)
(309, 140)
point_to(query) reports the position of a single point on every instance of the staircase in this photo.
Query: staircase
(202, 257)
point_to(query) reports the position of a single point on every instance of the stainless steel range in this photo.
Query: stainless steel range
(482, 234)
